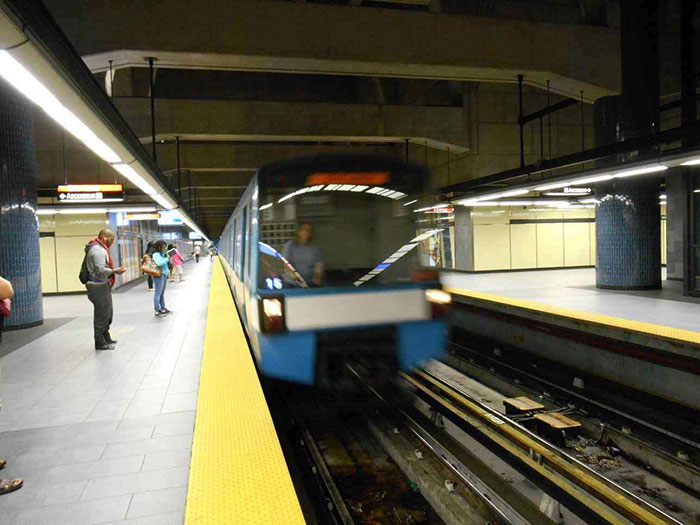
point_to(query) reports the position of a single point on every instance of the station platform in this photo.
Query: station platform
(647, 340)
(133, 435)
(573, 293)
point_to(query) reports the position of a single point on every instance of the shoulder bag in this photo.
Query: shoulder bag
(149, 267)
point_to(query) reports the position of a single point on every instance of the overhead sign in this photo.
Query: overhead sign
(141, 217)
(169, 218)
(194, 236)
(369, 178)
(577, 190)
(90, 193)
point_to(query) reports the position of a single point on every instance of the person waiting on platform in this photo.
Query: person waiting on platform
(100, 276)
(161, 259)
(144, 257)
(196, 252)
(212, 252)
(169, 253)
(303, 256)
(6, 293)
(176, 260)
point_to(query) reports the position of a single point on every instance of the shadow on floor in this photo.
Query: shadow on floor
(16, 339)
(671, 291)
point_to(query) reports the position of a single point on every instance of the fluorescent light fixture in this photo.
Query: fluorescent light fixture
(30, 87)
(411, 202)
(590, 200)
(692, 162)
(554, 186)
(265, 206)
(82, 211)
(514, 193)
(640, 171)
(696, 191)
(597, 178)
(662, 196)
(359, 188)
(134, 209)
(490, 197)
(163, 201)
(515, 203)
(45, 211)
(135, 178)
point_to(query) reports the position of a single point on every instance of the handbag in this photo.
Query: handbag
(150, 268)
(5, 307)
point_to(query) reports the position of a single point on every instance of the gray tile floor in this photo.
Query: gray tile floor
(575, 289)
(105, 437)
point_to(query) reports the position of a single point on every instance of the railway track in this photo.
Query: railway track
(417, 443)
(595, 493)
(664, 439)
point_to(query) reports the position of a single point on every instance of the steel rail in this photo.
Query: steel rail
(603, 406)
(334, 500)
(506, 504)
(608, 500)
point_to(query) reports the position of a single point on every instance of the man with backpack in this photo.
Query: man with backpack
(98, 274)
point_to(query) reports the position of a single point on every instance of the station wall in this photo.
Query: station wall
(62, 240)
(529, 238)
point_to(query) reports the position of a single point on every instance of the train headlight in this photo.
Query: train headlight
(272, 314)
(439, 300)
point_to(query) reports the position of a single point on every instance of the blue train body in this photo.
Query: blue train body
(363, 312)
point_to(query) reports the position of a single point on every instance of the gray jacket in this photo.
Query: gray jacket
(98, 263)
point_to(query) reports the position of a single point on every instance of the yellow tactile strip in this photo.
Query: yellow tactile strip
(666, 332)
(238, 473)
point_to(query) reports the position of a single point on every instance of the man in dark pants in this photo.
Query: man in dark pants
(102, 275)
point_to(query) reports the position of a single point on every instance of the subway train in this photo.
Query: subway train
(328, 270)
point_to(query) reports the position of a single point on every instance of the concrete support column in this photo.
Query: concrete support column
(19, 234)
(628, 213)
(464, 239)
(676, 204)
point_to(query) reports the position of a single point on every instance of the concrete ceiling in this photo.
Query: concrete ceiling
(324, 76)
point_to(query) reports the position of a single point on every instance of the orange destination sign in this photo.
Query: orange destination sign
(68, 193)
(90, 188)
(367, 178)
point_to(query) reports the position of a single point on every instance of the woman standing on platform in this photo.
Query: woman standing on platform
(149, 251)
(176, 260)
(160, 282)
(6, 292)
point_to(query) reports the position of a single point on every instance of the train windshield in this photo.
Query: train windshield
(337, 228)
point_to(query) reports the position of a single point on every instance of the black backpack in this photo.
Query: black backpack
(84, 276)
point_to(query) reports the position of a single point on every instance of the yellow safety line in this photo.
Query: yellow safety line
(667, 332)
(238, 473)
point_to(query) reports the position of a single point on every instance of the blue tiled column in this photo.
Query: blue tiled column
(628, 235)
(19, 235)
(628, 214)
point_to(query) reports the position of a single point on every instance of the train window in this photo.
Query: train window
(324, 228)
(244, 240)
(233, 241)
(249, 243)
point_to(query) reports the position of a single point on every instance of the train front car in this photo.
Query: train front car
(338, 271)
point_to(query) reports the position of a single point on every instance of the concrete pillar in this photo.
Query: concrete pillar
(19, 233)
(676, 204)
(628, 213)
(464, 239)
